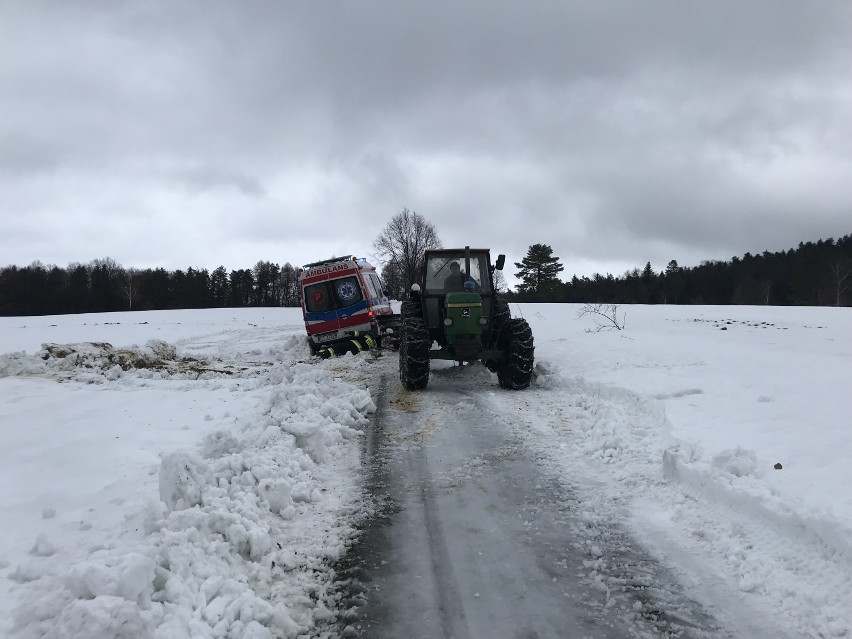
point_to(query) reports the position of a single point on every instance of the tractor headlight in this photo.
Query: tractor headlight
(448, 321)
(483, 321)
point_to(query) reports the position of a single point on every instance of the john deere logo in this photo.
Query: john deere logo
(465, 312)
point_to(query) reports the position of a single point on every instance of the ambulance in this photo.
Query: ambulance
(342, 298)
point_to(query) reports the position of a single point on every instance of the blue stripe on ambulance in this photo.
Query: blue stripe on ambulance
(327, 316)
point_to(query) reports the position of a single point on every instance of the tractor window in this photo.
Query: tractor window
(440, 267)
(317, 299)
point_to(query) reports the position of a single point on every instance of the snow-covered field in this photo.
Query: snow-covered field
(678, 422)
(196, 478)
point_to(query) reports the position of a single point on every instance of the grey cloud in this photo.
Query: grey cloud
(616, 131)
(212, 177)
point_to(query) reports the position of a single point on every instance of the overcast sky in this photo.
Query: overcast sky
(170, 133)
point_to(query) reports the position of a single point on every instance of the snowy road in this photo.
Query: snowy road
(475, 540)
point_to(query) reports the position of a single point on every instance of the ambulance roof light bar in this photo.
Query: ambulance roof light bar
(330, 260)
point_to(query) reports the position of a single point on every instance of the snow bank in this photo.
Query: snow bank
(244, 527)
(617, 450)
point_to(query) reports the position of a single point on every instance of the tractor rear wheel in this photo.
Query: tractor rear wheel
(414, 354)
(502, 314)
(516, 342)
(411, 308)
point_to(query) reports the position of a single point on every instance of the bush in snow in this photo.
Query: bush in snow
(605, 317)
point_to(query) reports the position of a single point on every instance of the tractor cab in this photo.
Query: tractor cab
(448, 271)
(458, 286)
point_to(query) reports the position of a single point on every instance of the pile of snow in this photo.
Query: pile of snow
(238, 533)
(93, 360)
(244, 524)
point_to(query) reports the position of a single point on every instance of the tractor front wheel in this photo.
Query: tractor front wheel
(516, 342)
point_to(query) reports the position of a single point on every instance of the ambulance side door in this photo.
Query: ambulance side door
(320, 308)
(348, 296)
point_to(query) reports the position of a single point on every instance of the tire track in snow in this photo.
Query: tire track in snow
(610, 444)
(474, 540)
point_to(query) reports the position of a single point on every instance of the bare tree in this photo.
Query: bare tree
(289, 285)
(841, 279)
(392, 281)
(500, 285)
(130, 286)
(403, 243)
(766, 290)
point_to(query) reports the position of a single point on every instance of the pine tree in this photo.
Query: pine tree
(219, 287)
(538, 272)
(673, 283)
(104, 275)
(241, 284)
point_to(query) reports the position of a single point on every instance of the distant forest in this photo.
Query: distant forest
(104, 285)
(813, 274)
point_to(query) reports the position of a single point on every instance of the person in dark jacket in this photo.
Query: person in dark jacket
(455, 280)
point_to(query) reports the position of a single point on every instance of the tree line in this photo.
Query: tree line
(104, 285)
(813, 274)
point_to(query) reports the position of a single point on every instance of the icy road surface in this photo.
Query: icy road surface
(474, 539)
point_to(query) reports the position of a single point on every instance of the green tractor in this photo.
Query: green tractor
(455, 304)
